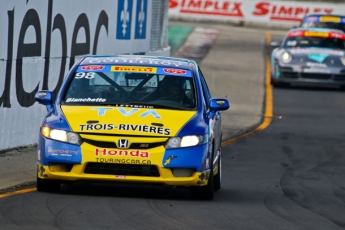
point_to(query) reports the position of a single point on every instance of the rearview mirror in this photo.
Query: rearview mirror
(217, 104)
(275, 44)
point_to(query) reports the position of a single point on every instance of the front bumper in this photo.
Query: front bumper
(93, 162)
(296, 74)
(77, 173)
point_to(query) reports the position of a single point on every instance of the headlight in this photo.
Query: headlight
(342, 59)
(60, 135)
(286, 57)
(186, 141)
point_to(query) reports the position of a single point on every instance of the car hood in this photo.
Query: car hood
(316, 54)
(125, 121)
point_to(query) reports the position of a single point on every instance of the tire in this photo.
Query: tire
(205, 192)
(218, 177)
(44, 185)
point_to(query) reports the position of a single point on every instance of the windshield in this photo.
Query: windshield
(318, 42)
(329, 25)
(119, 88)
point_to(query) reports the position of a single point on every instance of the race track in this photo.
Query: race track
(290, 175)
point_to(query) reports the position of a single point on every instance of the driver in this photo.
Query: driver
(173, 88)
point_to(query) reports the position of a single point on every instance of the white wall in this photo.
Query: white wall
(41, 39)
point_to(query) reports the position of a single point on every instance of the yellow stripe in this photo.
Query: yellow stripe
(268, 100)
(18, 192)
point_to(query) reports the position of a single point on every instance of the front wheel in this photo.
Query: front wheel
(205, 192)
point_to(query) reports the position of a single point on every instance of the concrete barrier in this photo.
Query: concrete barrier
(40, 41)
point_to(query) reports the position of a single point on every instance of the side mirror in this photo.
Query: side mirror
(217, 104)
(45, 97)
(275, 44)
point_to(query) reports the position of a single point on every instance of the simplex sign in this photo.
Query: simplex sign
(286, 13)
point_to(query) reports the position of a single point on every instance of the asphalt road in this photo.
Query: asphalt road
(290, 175)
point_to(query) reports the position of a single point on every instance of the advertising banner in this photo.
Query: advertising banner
(284, 13)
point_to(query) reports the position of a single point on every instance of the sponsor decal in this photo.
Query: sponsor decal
(130, 112)
(101, 111)
(220, 102)
(313, 64)
(42, 94)
(316, 34)
(329, 19)
(120, 176)
(92, 67)
(85, 99)
(210, 7)
(175, 71)
(132, 61)
(167, 161)
(315, 70)
(312, 19)
(61, 152)
(317, 51)
(121, 153)
(285, 12)
(125, 127)
(136, 69)
(123, 161)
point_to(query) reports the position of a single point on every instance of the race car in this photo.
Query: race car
(329, 21)
(135, 119)
(310, 56)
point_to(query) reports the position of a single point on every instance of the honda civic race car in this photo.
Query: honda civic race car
(313, 56)
(329, 21)
(135, 119)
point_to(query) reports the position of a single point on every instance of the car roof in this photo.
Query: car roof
(138, 60)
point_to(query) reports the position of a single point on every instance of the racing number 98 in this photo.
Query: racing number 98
(88, 75)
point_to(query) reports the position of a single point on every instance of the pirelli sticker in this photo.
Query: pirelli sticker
(316, 34)
(134, 69)
(329, 19)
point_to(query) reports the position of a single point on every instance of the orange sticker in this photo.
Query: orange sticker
(316, 34)
(136, 69)
(329, 19)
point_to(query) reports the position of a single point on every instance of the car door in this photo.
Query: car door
(215, 123)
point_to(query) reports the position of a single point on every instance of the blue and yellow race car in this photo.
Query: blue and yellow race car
(330, 21)
(135, 119)
(312, 56)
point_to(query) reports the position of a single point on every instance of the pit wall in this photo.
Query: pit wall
(279, 14)
(40, 41)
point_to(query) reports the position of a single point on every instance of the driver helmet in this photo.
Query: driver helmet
(173, 87)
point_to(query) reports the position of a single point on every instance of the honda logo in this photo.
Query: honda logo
(123, 144)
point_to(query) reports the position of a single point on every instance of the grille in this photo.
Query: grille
(316, 76)
(122, 169)
(289, 75)
(339, 77)
(106, 144)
